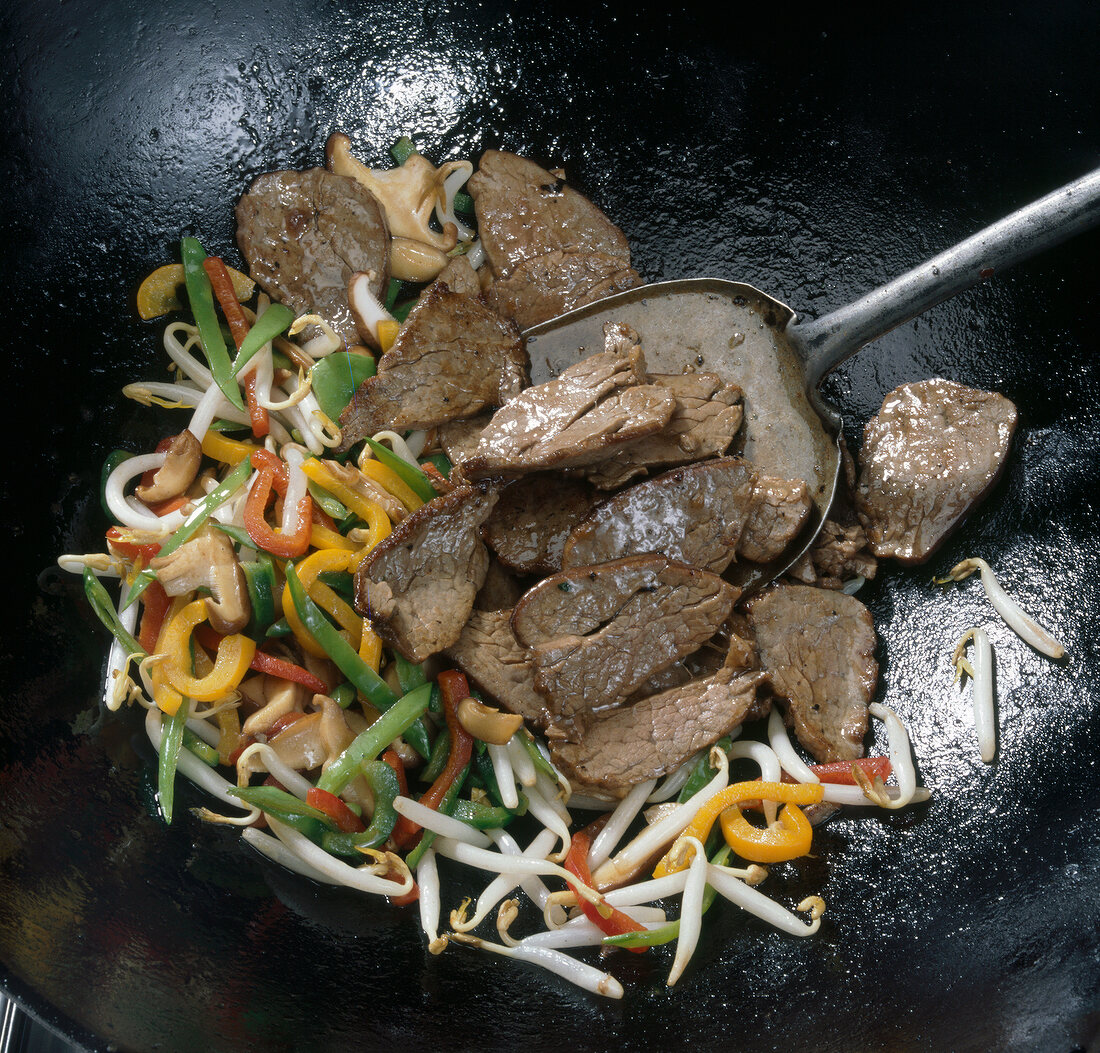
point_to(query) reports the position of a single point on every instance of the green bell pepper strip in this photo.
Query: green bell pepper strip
(259, 580)
(347, 660)
(200, 748)
(193, 523)
(483, 764)
(382, 780)
(343, 694)
(409, 675)
(335, 378)
(419, 483)
(272, 323)
(100, 601)
(279, 628)
(536, 755)
(447, 807)
(171, 742)
(437, 758)
(112, 461)
(340, 581)
(287, 809)
(201, 296)
(441, 461)
(486, 816)
(402, 150)
(238, 536)
(368, 744)
(328, 503)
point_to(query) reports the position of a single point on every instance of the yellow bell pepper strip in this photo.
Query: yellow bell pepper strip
(389, 480)
(787, 838)
(200, 295)
(193, 523)
(738, 793)
(273, 478)
(322, 536)
(219, 447)
(159, 292)
(388, 329)
(324, 596)
(234, 657)
(378, 523)
(370, 647)
(415, 478)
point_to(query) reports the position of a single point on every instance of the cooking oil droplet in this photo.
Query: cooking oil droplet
(737, 339)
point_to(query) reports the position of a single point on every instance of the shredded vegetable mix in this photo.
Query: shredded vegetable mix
(236, 625)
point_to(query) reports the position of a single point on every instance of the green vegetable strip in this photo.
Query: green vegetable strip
(437, 759)
(414, 477)
(191, 525)
(487, 817)
(484, 766)
(446, 807)
(382, 780)
(671, 931)
(370, 743)
(114, 459)
(343, 694)
(536, 755)
(327, 502)
(402, 150)
(347, 660)
(273, 322)
(200, 748)
(281, 804)
(408, 674)
(201, 296)
(702, 772)
(171, 741)
(100, 602)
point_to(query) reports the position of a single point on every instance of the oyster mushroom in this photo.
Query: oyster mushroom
(208, 561)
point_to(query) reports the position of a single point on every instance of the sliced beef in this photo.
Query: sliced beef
(304, 234)
(708, 415)
(459, 438)
(578, 418)
(545, 286)
(501, 588)
(487, 652)
(698, 514)
(524, 211)
(930, 454)
(818, 648)
(655, 735)
(596, 634)
(418, 585)
(533, 517)
(452, 358)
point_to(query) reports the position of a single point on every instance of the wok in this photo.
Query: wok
(814, 162)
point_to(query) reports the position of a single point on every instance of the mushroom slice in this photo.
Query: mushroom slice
(181, 465)
(208, 561)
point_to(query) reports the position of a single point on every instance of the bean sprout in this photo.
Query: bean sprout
(980, 670)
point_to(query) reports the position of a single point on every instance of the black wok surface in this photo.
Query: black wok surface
(812, 158)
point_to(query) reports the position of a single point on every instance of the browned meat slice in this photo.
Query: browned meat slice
(453, 357)
(533, 517)
(459, 438)
(596, 634)
(551, 284)
(931, 453)
(305, 233)
(524, 211)
(818, 648)
(697, 514)
(418, 585)
(578, 418)
(501, 588)
(778, 510)
(708, 415)
(656, 735)
(487, 652)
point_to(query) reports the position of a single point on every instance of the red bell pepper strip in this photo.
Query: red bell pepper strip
(118, 542)
(453, 687)
(155, 606)
(263, 662)
(839, 773)
(222, 285)
(271, 476)
(576, 862)
(344, 818)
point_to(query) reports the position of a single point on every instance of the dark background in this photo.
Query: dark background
(813, 156)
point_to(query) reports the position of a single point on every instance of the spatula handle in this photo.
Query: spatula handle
(827, 341)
